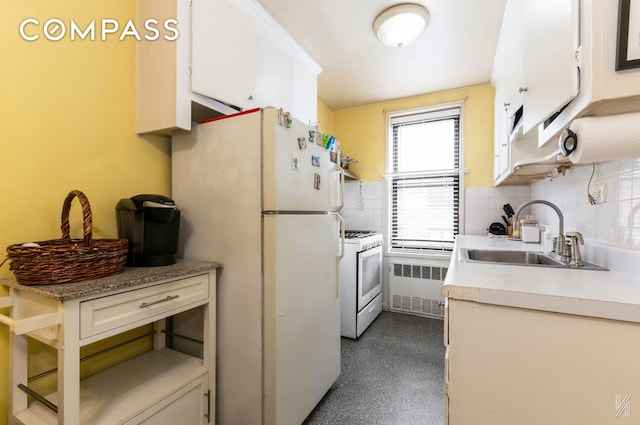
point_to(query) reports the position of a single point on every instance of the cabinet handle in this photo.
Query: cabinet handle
(164, 300)
(208, 414)
(250, 97)
(523, 89)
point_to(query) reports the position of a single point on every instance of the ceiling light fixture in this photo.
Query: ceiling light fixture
(401, 24)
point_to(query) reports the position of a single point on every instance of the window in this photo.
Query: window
(424, 174)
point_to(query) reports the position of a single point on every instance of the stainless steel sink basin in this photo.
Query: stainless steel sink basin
(511, 257)
(521, 258)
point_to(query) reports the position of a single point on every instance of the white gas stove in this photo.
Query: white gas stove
(360, 281)
(363, 239)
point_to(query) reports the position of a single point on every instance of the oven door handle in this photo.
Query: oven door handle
(341, 256)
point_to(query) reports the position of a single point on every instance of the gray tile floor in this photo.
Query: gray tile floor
(392, 375)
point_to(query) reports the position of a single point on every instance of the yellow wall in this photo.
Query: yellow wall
(325, 118)
(362, 132)
(68, 122)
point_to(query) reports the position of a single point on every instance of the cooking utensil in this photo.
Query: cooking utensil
(508, 210)
(506, 220)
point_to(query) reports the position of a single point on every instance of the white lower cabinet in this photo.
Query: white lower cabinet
(161, 386)
(508, 366)
(446, 386)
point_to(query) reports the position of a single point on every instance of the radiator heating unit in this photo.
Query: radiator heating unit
(415, 289)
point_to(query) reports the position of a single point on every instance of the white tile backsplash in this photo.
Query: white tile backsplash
(364, 206)
(483, 206)
(616, 221)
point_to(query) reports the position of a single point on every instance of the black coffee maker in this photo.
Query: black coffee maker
(150, 223)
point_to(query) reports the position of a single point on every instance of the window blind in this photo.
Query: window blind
(425, 180)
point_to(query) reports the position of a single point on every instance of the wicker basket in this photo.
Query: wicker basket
(68, 260)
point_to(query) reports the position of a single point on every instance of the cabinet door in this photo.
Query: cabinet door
(186, 406)
(500, 139)
(305, 88)
(551, 37)
(274, 73)
(534, 367)
(503, 141)
(501, 134)
(284, 80)
(512, 52)
(223, 61)
(507, 76)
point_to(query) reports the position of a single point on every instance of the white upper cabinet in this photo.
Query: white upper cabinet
(510, 60)
(501, 137)
(223, 52)
(242, 57)
(275, 79)
(507, 77)
(305, 88)
(286, 76)
(231, 55)
(603, 90)
(518, 109)
(550, 46)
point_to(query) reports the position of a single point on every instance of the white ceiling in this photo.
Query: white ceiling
(456, 49)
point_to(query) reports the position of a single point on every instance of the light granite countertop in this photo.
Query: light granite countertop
(612, 294)
(130, 277)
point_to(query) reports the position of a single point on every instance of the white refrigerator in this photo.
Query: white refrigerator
(260, 196)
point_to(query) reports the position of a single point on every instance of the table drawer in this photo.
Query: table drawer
(153, 302)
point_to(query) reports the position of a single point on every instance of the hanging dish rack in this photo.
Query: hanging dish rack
(345, 161)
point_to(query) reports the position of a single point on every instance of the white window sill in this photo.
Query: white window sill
(420, 255)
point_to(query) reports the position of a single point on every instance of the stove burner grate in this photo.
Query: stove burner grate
(356, 234)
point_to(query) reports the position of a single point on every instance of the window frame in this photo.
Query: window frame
(389, 174)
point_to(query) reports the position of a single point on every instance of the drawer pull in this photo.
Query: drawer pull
(169, 298)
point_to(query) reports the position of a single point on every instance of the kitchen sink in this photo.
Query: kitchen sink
(511, 257)
(521, 258)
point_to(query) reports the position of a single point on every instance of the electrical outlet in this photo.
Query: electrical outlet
(598, 193)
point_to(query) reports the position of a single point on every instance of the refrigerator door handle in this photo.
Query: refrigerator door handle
(341, 195)
(339, 257)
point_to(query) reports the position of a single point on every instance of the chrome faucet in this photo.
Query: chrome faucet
(560, 246)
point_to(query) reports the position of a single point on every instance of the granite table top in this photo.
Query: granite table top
(130, 277)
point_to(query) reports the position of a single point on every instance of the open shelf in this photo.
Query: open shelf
(126, 390)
